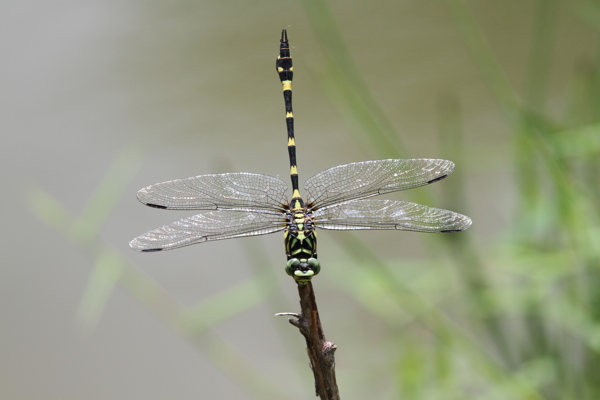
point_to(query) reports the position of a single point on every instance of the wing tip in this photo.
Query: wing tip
(137, 246)
(464, 224)
(144, 197)
(446, 168)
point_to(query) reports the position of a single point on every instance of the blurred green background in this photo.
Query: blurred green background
(102, 98)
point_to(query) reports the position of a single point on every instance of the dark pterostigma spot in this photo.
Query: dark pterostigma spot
(439, 178)
(150, 250)
(451, 231)
(156, 206)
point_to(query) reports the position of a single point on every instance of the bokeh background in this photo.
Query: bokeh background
(101, 98)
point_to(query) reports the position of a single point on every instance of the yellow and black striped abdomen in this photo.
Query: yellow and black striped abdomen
(285, 70)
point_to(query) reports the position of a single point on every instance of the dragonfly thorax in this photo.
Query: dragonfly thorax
(300, 241)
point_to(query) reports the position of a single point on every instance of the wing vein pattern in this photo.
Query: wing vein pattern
(236, 191)
(371, 178)
(208, 226)
(390, 214)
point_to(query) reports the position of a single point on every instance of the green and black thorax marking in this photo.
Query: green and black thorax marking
(300, 237)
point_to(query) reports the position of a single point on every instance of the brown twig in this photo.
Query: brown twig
(320, 351)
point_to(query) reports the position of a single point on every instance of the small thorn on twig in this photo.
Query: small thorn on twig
(297, 319)
(289, 314)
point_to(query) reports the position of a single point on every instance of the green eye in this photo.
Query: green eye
(315, 265)
(291, 266)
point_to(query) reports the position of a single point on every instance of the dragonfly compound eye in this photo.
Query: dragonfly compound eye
(303, 270)
(315, 265)
(291, 266)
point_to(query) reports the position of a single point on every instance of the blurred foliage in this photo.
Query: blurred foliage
(111, 268)
(517, 318)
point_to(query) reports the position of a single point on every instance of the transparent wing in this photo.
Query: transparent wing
(241, 191)
(370, 178)
(390, 214)
(210, 225)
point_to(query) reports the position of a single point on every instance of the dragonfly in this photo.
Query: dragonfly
(247, 204)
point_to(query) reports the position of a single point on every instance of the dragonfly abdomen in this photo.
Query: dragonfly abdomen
(285, 70)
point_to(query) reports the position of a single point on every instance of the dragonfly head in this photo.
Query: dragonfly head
(302, 270)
